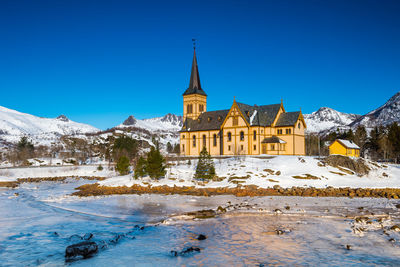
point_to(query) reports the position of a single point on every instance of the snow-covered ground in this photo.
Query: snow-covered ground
(269, 172)
(12, 174)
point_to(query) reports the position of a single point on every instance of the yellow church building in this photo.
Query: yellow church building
(240, 130)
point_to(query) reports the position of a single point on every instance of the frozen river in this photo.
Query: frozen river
(38, 222)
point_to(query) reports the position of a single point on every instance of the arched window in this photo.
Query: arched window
(214, 140)
(254, 135)
(204, 140)
(299, 125)
(188, 109)
(194, 140)
(229, 136)
(241, 136)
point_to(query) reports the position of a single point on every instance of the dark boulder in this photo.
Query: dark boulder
(83, 249)
(201, 237)
(186, 251)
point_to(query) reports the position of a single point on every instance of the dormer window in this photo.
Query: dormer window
(209, 119)
(219, 118)
(199, 120)
(248, 113)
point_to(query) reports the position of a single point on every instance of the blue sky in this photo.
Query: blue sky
(99, 61)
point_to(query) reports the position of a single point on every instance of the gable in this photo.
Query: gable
(235, 114)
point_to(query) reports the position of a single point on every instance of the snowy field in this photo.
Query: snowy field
(270, 172)
(40, 220)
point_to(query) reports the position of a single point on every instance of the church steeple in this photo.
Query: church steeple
(194, 84)
(194, 98)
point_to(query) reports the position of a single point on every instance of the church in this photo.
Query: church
(240, 130)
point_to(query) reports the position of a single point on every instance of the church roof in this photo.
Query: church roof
(210, 120)
(259, 115)
(288, 118)
(194, 84)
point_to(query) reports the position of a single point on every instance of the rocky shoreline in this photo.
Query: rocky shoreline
(239, 191)
(19, 181)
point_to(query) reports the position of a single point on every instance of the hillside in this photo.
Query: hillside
(44, 131)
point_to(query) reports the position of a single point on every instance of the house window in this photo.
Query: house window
(214, 140)
(255, 147)
(229, 136)
(204, 140)
(229, 148)
(194, 141)
(254, 135)
(288, 131)
(241, 136)
(235, 121)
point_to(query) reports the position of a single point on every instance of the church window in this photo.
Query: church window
(298, 125)
(255, 147)
(229, 136)
(183, 136)
(183, 148)
(288, 131)
(194, 141)
(279, 131)
(229, 148)
(272, 147)
(204, 140)
(188, 109)
(215, 140)
(254, 135)
(235, 121)
(241, 136)
(241, 147)
(201, 107)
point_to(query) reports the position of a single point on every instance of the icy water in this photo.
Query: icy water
(39, 223)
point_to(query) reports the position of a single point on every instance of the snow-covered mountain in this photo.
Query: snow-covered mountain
(14, 124)
(326, 118)
(169, 122)
(384, 115)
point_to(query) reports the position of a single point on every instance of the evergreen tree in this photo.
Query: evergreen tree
(360, 138)
(123, 165)
(394, 141)
(140, 170)
(155, 166)
(169, 147)
(125, 146)
(205, 169)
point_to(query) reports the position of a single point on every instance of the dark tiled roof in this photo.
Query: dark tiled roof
(272, 140)
(208, 121)
(265, 114)
(288, 118)
(194, 84)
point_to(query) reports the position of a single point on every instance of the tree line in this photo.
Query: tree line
(381, 143)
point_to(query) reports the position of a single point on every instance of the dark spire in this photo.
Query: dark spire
(194, 84)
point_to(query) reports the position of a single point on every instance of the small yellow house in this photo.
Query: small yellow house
(345, 148)
(239, 130)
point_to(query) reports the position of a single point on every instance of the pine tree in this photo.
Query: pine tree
(140, 169)
(205, 169)
(123, 165)
(360, 138)
(155, 166)
(394, 140)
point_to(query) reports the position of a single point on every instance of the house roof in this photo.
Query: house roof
(288, 118)
(210, 120)
(194, 84)
(273, 140)
(348, 143)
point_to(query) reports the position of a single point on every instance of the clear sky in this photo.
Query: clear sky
(99, 61)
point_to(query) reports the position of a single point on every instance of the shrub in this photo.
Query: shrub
(123, 165)
(100, 168)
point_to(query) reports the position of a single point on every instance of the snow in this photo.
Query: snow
(327, 118)
(12, 174)
(169, 122)
(252, 117)
(254, 171)
(348, 144)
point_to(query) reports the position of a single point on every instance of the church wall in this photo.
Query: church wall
(196, 100)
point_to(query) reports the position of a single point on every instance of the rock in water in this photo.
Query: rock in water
(201, 237)
(83, 249)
